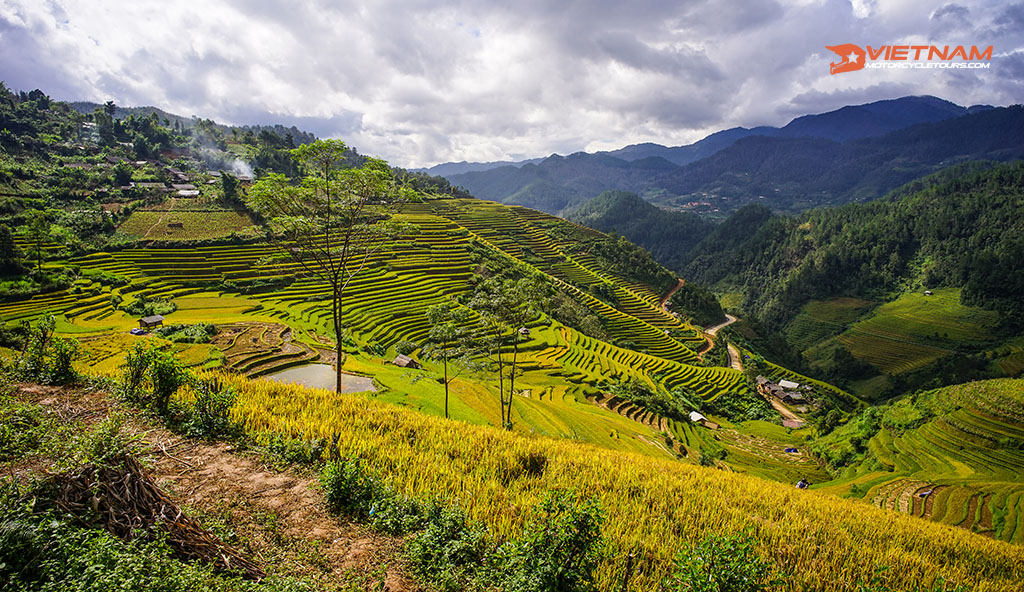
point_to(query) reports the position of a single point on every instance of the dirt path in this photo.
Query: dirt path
(213, 478)
(711, 332)
(665, 299)
(735, 361)
(160, 219)
(782, 409)
(279, 515)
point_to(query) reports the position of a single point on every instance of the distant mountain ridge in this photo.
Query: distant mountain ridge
(457, 168)
(797, 166)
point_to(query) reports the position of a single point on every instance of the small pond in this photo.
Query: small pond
(322, 376)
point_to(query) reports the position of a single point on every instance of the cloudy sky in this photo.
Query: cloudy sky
(420, 82)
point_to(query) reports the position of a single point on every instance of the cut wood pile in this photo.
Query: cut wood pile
(122, 498)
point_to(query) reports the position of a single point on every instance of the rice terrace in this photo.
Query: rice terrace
(249, 358)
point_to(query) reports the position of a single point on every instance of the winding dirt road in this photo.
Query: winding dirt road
(711, 332)
(734, 358)
(664, 300)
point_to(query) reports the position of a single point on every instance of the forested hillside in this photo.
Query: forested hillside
(812, 277)
(668, 235)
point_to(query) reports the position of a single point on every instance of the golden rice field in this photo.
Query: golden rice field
(654, 507)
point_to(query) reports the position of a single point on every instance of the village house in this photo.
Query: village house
(150, 322)
(696, 417)
(404, 361)
(785, 391)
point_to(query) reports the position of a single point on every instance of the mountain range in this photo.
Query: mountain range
(855, 153)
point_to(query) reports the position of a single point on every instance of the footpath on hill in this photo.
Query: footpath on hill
(279, 515)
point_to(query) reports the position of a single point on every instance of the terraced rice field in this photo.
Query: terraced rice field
(915, 329)
(821, 319)
(970, 458)
(387, 304)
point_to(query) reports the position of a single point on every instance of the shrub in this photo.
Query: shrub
(722, 563)
(209, 416)
(21, 428)
(144, 306)
(449, 553)
(558, 550)
(63, 352)
(47, 358)
(290, 450)
(348, 489)
(197, 333)
(134, 371)
(166, 376)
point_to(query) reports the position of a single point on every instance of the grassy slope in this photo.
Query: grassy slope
(898, 336)
(820, 541)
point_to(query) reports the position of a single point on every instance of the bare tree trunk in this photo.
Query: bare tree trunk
(512, 377)
(446, 385)
(501, 382)
(336, 314)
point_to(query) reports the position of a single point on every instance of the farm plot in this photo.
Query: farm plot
(176, 225)
(916, 329)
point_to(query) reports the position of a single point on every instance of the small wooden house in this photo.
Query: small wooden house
(696, 417)
(405, 361)
(792, 423)
(150, 322)
(791, 398)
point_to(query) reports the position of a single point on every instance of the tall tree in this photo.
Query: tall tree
(39, 232)
(229, 185)
(334, 220)
(506, 307)
(450, 341)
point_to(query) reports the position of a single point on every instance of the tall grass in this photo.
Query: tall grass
(653, 507)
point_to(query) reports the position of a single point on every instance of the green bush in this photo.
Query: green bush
(166, 375)
(133, 372)
(450, 553)
(145, 306)
(288, 450)
(197, 333)
(47, 358)
(48, 553)
(150, 377)
(348, 488)
(406, 347)
(558, 550)
(209, 416)
(722, 563)
(21, 428)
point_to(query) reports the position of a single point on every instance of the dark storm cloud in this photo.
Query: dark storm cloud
(420, 81)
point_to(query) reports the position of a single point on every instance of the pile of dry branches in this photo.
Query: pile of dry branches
(122, 498)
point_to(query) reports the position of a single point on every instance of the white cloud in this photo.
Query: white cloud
(421, 82)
